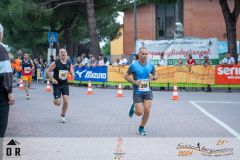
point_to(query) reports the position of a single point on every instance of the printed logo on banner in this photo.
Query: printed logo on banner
(227, 74)
(13, 150)
(218, 149)
(95, 74)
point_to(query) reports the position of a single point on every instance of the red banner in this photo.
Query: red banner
(227, 74)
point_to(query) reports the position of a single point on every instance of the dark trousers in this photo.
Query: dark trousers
(1, 148)
(4, 110)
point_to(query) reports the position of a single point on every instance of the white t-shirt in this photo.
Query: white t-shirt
(228, 61)
(85, 61)
(123, 61)
(101, 62)
(162, 62)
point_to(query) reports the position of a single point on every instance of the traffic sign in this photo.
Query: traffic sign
(52, 37)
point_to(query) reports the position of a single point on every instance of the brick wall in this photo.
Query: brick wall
(146, 26)
(204, 18)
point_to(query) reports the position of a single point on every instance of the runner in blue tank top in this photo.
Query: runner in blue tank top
(142, 72)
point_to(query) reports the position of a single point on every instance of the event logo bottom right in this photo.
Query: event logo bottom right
(218, 148)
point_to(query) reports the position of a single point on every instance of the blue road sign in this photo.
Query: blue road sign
(52, 37)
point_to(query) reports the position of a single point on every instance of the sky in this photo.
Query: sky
(119, 19)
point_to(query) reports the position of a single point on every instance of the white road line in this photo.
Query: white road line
(224, 102)
(224, 125)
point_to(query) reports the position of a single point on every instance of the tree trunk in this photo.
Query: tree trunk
(232, 40)
(34, 51)
(95, 47)
(75, 49)
(68, 40)
(231, 22)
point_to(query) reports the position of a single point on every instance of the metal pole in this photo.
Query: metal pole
(51, 48)
(49, 30)
(135, 24)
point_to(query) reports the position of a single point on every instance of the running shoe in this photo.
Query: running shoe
(131, 110)
(142, 132)
(63, 120)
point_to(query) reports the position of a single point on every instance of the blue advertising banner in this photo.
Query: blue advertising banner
(94, 74)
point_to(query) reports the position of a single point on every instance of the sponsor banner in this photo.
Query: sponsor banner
(94, 74)
(171, 74)
(116, 74)
(181, 48)
(227, 74)
(121, 148)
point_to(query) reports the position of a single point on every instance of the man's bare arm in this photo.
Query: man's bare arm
(72, 70)
(33, 67)
(131, 80)
(49, 70)
(153, 76)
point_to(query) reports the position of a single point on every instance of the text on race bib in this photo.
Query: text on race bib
(27, 69)
(144, 87)
(63, 74)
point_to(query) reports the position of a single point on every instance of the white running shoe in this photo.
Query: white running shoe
(63, 120)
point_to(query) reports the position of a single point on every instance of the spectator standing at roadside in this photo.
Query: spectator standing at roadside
(162, 61)
(207, 62)
(116, 63)
(123, 61)
(135, 58)
(6, 95)
(100, 60)
(190, 61)
(179, 62)
(228, 60)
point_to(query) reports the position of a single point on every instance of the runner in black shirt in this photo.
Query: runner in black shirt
(60, 69)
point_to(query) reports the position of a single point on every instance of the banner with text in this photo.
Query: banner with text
(227, 74)
(94, 74)
(181, 48)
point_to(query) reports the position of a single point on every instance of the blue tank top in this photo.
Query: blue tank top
(141, 72)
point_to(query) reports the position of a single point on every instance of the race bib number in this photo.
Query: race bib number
(63, 74)
(144, 87)
(27, 69)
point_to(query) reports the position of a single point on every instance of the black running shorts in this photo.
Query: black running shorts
(139, 98)
(60, 90)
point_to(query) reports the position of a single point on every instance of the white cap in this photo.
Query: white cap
(1, 28)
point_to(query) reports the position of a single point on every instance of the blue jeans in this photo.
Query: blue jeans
(43, 75)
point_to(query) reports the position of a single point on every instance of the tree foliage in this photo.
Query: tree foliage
(27, 22)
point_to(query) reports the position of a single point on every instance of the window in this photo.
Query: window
(166, 17)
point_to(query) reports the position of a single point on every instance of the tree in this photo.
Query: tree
(231, 23)
(95, 47)
(17, 17)
(27, 22)
(106, 49)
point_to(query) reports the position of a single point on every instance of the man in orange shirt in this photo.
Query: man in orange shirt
(18, 67)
